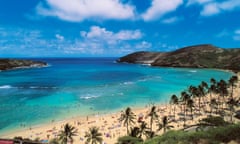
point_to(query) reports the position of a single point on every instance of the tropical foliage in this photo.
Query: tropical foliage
(214, 101)
(93, 136)
(66, 135)
(153, 116)
(222, 134)
(127, 117)
(164, 124)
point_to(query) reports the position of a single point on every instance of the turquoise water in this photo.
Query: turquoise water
(82, 86)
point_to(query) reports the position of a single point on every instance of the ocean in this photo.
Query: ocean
(71, 87)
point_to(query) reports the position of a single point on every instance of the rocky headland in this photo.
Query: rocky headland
(198, 56)
(8, 64)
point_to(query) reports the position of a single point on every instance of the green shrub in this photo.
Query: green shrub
(129, 140)
(217, 135)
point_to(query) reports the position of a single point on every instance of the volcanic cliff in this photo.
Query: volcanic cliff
(198, 56)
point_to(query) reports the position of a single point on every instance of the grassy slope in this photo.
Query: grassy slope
(212, 136)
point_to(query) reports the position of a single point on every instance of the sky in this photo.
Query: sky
(112, 28)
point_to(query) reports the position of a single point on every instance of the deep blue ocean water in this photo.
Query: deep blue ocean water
(82, 86)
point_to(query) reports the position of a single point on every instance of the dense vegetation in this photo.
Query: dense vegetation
(221, 134)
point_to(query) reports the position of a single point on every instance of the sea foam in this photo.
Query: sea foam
(193, 71)
(89, 97)
(5, 87)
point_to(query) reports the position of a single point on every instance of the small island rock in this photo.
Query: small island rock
(8, 64)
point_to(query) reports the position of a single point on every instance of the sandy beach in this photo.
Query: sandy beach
(108, 124)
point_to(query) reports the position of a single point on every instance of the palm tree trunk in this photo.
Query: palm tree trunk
(210, 95)
(199, 105)
(181, 107)
(216, 109)
(184, 120)
(170, 109)
(218, 103)
(151, 121)
(210, 110)
(191, 114)
(127, 129)
(223, 102)
(231, 109)
(174, 112)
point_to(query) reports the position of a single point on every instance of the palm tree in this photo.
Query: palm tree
(153, 116)
(195, 92)
(143, 129)
(205, 88)
(190, 105)
(184, 98)
(213, 104)
(164, 124)
(201, 93)
(135, 132)
(204, 84)
(66, 135)
(222, 89)
(212, 89)
(232, 82)
(213, 81)
(127, 118)
(191, 90)
(174, 101)
(231, 104)
(93, 136)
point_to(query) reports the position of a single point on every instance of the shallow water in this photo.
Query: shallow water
(81, 86)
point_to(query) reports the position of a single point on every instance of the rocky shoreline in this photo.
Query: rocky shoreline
(9, 64)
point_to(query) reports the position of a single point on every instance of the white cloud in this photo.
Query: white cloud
(237, 31)
(166, 47)
(210, 9)
(223, 33)
(102, 33)
(236, 35)
(214, 7)
(97, 41)
(191, 2)
(96, 31)
(161, 7)
(83, 33)
(143, 45)
(25, 42)
(171, 20)
(100, 40)
(129, 35)
(59, 37)
(79, 10)
(229, 5)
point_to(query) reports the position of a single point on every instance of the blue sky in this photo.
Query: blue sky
(80, 28)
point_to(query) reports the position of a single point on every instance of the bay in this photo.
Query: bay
(71, 87)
